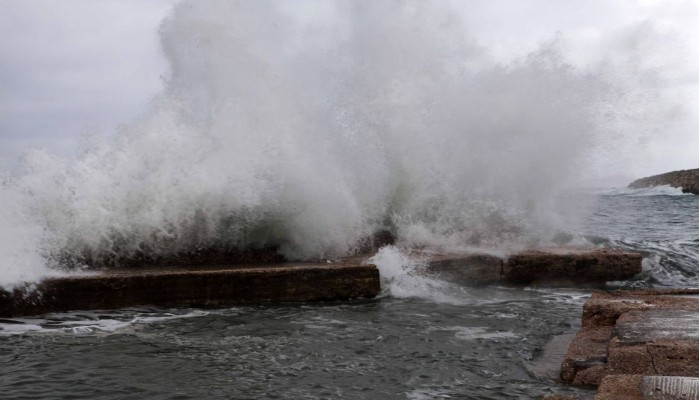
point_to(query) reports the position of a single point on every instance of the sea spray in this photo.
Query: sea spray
(309, 133)
(404, 276)
(20, 240)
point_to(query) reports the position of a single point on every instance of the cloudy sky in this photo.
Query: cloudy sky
(79, 67)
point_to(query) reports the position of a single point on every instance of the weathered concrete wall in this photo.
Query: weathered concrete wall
(279, 282)
(687, 179)
(635, 332)
(571, 266)
(467, 269)
(195, 287)
(547, 267)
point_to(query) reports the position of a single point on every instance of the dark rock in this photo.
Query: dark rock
(148, 257)
(687, 179)
(164, 254)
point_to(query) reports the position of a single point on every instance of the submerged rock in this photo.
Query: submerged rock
(687, 179)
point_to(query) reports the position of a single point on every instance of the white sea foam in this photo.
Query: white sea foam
(88, 323)
(313, 132)
(478, 332)
(663, 190)
(403, 276)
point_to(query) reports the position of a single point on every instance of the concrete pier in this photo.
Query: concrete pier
(544, 267)
(211, 286)
(638, 345)
(344, 279)
(635, 332)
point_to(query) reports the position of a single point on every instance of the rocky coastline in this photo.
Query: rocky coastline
(687, 179)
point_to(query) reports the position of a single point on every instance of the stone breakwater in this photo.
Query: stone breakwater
(637, 345)
(560, 266)
(687, 179)
(212, 286)
(341, 280)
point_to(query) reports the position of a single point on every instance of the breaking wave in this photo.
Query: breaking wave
(305, 134)
(664, 190)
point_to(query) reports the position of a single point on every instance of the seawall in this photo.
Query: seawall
(213, 286)
(344, 279)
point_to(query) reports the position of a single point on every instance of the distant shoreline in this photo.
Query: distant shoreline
(687, 179)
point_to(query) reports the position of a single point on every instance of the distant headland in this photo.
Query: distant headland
(687, 179)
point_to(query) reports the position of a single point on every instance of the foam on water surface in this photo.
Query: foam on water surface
(91, 322)
(663, 190)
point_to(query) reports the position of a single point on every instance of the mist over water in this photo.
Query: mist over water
(311, 130)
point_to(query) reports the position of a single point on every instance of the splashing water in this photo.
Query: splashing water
(309, 133)
(403, 276)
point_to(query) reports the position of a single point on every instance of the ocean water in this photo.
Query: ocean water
(310, 131)
(422, 339)
(661, 223)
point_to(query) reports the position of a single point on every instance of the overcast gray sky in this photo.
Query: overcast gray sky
(83, 66)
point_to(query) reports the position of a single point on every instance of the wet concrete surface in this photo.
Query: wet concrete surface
(554, 266)
(202, 286)
(638, 345)
(349, 278)
(646, 326)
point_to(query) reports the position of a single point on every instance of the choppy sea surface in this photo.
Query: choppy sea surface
(452, 343)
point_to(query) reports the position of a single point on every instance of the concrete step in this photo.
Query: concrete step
(647, 333)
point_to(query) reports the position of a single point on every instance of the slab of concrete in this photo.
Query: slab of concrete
(210, 286)
(645, 326)
(221, 285)
(635, 333)
(620, 387)
(566, 266)
(585, 362)
(466, 269)
(544, 267)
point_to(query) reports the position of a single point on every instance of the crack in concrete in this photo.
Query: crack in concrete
(652, 360)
